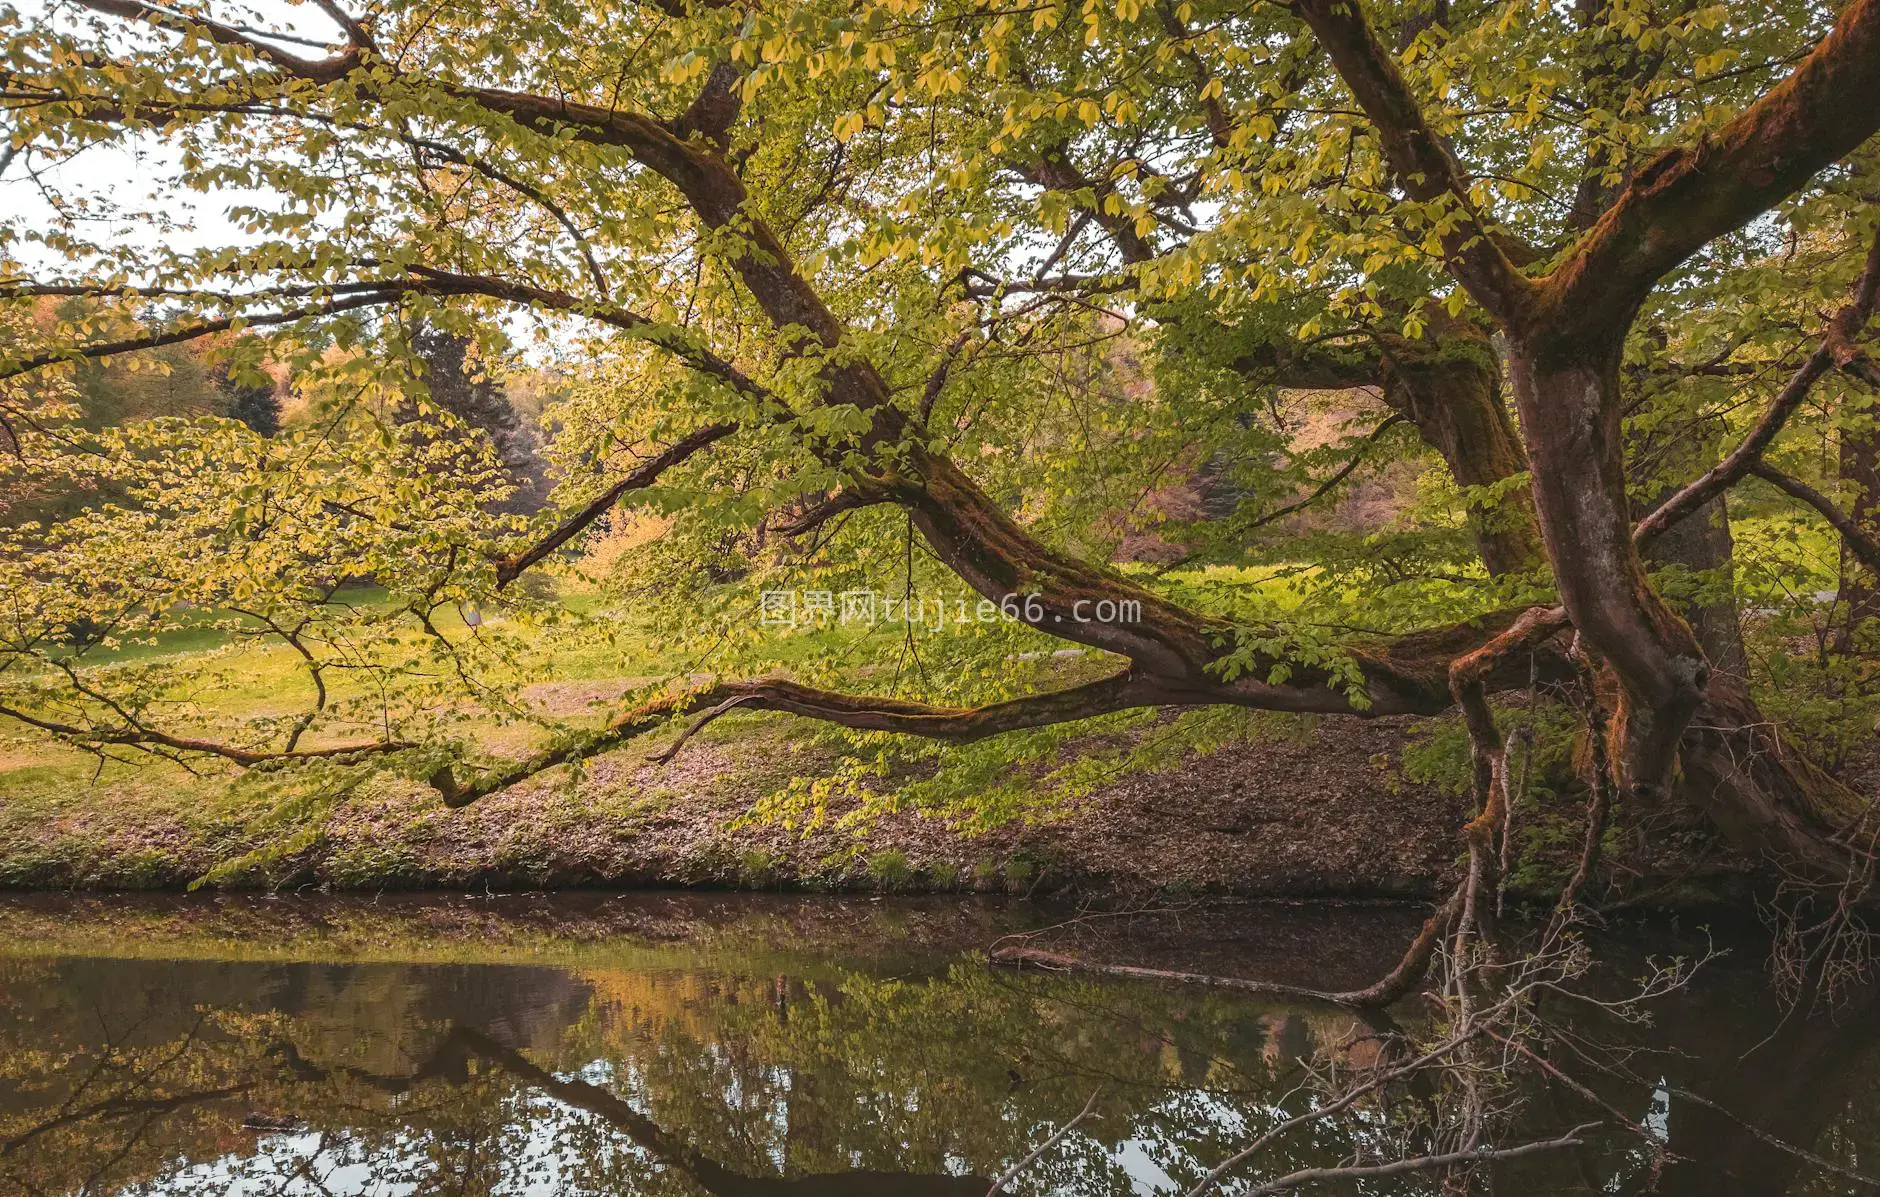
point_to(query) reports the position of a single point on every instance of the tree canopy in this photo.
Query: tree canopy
(936, 298)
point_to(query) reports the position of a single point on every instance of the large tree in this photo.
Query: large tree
(834, 259)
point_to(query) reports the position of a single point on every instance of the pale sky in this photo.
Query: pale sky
(128, 174)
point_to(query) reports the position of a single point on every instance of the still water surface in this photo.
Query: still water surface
(767, 1047)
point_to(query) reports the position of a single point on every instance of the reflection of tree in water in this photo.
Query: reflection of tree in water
(663, 1083)
(922, 1075)
(1777, 1102)
(471, 1080)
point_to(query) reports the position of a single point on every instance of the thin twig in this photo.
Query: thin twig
(1422, 1163)
(1012, 1173)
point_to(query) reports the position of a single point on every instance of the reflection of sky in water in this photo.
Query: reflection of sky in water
(536, 1163)
(1137, 1159)
(540, 1157)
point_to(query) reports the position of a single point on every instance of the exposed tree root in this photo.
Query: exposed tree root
(1598, 813)
(1765, 795)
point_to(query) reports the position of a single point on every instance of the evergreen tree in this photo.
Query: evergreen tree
(479, 401)
(255, 405)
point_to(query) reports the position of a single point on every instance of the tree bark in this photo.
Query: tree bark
(1566, 331)
(1700, 543)
(1703, 544)
(1568, 398)
(1676, 725)
(1448, 383)
(1761, 792)
(1449, 386)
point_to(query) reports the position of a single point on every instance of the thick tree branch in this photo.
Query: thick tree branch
(1393, 987)
(959, 725)
(318, 70)
(823, 512)
(1314, 366)
(1020, 956)
(1422, 161)
(968, 532)
(1690, 195)
(711, 113)
(1407, 675)
(710, 186)
(1857, 539)
(1740, 460)
(357, 35)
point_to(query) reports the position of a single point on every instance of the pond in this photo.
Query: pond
(764, 1046)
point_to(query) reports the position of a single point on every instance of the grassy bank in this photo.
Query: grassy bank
(1293, 814)
(1112, 804)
